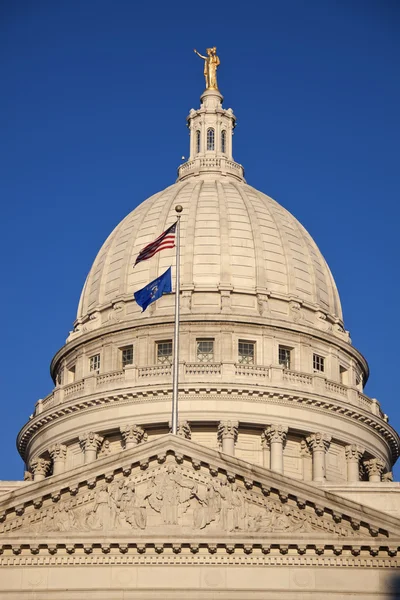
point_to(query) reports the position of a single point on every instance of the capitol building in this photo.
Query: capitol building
(278, 482)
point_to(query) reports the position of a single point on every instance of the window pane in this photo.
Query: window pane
(94, 362)
(197, 141)
(127, 356)
(164, 352)
(318, 363)
(284, 356)
(210, 139)
(205, 350)
(246, 352)
(223, 141)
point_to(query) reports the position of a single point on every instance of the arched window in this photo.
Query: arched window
(223, 141)
(210, 139)
(197, 141)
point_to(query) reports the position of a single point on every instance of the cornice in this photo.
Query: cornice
(154, 394)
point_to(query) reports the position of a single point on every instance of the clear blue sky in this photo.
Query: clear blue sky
(92, 114)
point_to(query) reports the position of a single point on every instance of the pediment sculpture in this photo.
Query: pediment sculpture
(171, 496)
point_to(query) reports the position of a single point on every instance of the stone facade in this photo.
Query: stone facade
(280, 461)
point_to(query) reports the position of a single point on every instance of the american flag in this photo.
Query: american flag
(165, 240)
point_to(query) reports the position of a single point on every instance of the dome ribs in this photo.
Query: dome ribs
(260, 281)
(226, 258)
(188, 236)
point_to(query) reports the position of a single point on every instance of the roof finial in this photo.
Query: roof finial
(211, 63)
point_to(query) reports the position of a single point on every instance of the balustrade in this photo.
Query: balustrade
(297, 377)
(203, 368)
(112, 377)
(251, 370)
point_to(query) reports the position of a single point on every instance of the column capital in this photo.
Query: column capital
(265, 445)
(228, 429)
(133, 434)
(40, 468)
(58, 452)
(354, 452)
(374, 467)
(319, 441)
(276, 433)
(305, 451)
(90, 441)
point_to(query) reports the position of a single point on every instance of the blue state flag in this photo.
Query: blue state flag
(154, 290)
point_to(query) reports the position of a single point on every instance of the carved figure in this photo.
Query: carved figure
(170, 495)
(132, 508)
(100, 515)
(211, 63)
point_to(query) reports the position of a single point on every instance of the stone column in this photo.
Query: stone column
(133, 435)
(90, 443)
(227, 434)
(319, 444)
(58, 454)
(277, 437)
(353, 456)
(266, 459)
(306, 459)
(40, 468)
(374, 468)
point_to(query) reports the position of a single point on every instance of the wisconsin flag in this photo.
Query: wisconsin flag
(154, 290)
(165, 240)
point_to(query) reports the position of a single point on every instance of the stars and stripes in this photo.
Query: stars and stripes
(165, 240)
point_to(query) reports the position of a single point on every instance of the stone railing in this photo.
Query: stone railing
(245, 370)
(213, 164)
(202, 368)
(297, 377)
(74, 388)
(155, 371)
(274, 376)
(336, 388)
(112, 377)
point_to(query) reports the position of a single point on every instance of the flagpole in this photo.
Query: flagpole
(175, 366)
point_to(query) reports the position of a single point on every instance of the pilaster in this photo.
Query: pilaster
(227, 434)
(90, 443)
(319, 444)
(58, 454)
(354, 454)
(132, 435)
(40, 468)
(277, 436)
(374, 469)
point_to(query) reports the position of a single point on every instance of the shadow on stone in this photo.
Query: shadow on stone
(394, 587)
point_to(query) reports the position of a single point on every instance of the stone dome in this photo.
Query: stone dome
(233, 238)
(262, 348)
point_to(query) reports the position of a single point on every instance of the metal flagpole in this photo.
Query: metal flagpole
(175, 371)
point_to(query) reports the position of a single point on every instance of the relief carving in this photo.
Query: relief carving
(168, 496)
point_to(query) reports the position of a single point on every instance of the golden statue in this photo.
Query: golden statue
(211, 63)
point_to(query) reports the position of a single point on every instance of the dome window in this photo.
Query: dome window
(205, 350)
(318, 363)
(198, 139)
(210, 139)
(71, 374)
(223, 141)
(94, 363)
(127, 356)
(164, 352)
(246, 351)
(284, 356)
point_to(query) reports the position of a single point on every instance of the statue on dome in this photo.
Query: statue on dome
(211, 63)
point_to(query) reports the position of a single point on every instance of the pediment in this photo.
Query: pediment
(173, 490)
